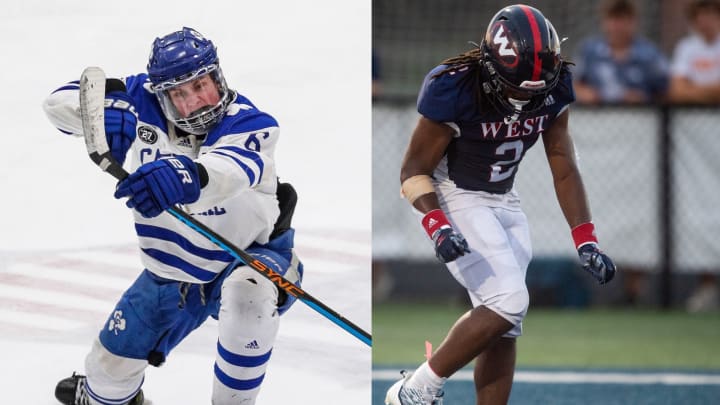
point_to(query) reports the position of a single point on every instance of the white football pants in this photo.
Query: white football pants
(494, 271)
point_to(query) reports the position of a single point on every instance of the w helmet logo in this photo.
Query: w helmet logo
(503, 46)
(116, 323)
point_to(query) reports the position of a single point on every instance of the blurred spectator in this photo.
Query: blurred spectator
(696, 79)
(696, 61)
(619, 66)
(706, 296)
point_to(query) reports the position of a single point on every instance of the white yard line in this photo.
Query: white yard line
(579, 377)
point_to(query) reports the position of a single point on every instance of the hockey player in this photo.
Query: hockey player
(190, 140)
(480, 113)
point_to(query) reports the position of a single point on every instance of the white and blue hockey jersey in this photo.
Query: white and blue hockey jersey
(239, 202)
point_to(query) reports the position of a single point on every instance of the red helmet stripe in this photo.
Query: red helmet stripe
(537, 41)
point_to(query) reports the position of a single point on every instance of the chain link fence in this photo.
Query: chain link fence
(695, 189)
(412, 36)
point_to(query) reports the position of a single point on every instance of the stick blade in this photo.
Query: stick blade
(92, 111)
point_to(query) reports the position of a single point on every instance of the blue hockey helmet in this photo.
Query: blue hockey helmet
(179, 58)
(521, 59)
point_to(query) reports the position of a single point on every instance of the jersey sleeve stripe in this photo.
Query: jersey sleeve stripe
(157, 232)
(246, 168)
(180, 264)
(562, 110)
(254, 156)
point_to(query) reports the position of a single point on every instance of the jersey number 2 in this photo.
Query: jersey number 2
(509, 166)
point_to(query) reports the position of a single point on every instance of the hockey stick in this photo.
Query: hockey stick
(92, 109)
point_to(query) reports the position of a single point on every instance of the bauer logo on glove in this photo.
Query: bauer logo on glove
(157, 186)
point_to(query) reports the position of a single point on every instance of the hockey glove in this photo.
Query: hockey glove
(120, 123)
(449, 244)
(158, 185)
(597, 263)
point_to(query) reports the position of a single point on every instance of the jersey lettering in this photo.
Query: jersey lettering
(527, 127)
(491, 128)
(146, 155)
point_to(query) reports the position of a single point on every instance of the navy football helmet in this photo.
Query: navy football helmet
(521, 60)
(179, 58)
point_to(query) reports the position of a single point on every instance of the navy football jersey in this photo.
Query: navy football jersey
(485, 152)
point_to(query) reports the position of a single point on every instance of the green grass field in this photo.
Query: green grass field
(612, 338)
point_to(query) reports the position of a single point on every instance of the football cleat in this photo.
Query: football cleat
(399, 394)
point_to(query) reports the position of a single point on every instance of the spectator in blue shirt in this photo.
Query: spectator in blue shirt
(619, 66)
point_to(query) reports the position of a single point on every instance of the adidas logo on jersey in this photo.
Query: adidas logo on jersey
(549, 100)
(252, 345)
(185, 143)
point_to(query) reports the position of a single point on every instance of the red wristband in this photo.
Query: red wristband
(434, 220)
(584, 234)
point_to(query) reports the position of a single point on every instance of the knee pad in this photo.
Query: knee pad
(246, 292)
(287, 265)
(511, 305)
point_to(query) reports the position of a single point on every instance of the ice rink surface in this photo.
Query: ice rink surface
(67, 248)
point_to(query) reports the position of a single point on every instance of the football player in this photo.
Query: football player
(480, 113)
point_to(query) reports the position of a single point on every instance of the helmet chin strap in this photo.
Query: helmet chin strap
(518, 104)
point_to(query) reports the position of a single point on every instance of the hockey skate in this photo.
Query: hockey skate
(398, 394)
(72, 391)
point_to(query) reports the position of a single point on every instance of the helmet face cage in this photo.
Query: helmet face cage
(203, 120)
(179, 58)
(521, 59)
(497, 90)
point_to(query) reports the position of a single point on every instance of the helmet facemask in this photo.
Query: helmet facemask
(529, 96)
(199, 121)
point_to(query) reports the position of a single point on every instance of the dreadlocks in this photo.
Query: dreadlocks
(474, 57)
(470, 57)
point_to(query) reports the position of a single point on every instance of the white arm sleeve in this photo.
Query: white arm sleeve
(62, 108)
